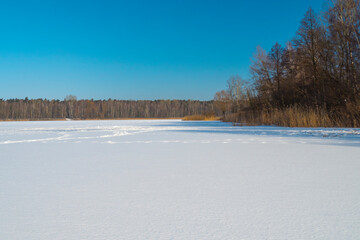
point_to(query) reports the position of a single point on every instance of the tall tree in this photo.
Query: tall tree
(344, 29)
(310, 42)
(277, 69)
(260, 72)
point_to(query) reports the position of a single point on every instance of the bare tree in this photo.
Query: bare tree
(237, 91)
(222, 101)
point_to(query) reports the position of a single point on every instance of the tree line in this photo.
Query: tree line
(317, 73)
(37, 109)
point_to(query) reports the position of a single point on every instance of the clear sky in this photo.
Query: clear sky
(148, 49)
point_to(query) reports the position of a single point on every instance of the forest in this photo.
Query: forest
(70, 107)
(314, 80)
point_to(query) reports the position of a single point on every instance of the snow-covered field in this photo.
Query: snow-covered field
(177, 180)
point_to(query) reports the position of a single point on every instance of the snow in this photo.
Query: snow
(169, 179)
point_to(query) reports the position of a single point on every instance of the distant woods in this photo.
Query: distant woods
(70, 107)
(312, 81)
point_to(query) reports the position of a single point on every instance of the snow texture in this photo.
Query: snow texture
(169, 179)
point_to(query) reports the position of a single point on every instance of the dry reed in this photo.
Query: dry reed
(200, 118)
(298, 117)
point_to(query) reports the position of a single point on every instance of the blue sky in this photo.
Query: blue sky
(136, 49)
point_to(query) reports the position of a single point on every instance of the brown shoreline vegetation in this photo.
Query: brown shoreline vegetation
(201, 117)
(293, 117)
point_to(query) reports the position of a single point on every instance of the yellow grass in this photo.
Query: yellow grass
(90, 119)
(200, 118)
(296, 117)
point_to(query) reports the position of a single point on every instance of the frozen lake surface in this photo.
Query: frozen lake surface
(169, 179)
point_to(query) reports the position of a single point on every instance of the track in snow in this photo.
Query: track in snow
(177, 180)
